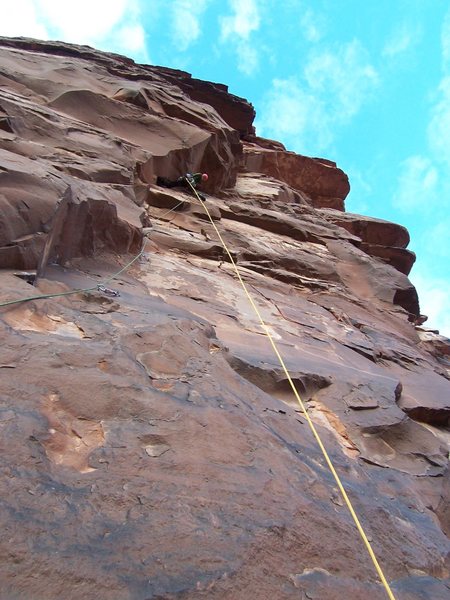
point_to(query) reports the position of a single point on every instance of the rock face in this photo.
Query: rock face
(379, 238)
(325, 184)
(151, 446)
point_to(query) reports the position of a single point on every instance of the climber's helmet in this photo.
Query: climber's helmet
(205, 177)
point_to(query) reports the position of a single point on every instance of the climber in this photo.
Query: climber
(190, 178)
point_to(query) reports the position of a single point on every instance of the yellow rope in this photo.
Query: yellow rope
(282, 363)
(302, 406)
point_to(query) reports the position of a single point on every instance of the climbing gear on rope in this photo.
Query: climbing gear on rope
(100, 287)
(302, 406)
(108, 291)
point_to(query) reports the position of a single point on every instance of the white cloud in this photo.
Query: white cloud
(83, 21)
(422, 192)
(112, 25)
(131, 38)
(434, 298)
(312, 26)
(21, 19)
(186, 25)
(417, 185)
(403, 38)
(345, 75)
(237, 29)
(244, 20)
(247, 58)
(439, 126)
(291, 113)
(306, 111)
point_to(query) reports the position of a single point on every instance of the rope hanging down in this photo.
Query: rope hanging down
(302, 406)
(278, 355)
(100, 287)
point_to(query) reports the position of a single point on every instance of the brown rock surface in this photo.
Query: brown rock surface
(325, 184)
(382, 239)
(151, 446)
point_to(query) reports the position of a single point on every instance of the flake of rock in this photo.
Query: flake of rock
(425, 398)
(320, 179)
(361, 402)
(156, 450)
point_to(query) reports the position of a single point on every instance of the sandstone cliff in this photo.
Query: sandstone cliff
(151, 446)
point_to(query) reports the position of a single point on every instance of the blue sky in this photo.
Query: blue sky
(366, 84)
